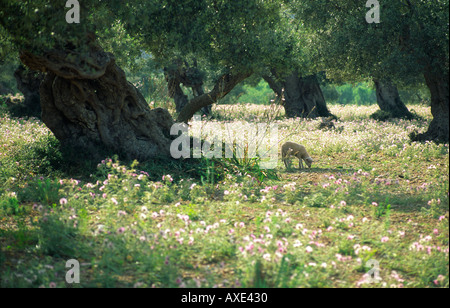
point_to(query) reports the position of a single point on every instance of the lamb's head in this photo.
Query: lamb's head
(309, 161)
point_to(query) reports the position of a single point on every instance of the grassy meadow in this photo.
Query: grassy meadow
(371, 197)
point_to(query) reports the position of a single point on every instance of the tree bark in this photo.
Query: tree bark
(90, 105)
(302, 96)
(438, 130)
(294, 105)
(189, 76)
(389, 100)
(198, 90)
(275, 84)
(175, 91)
(223, 86)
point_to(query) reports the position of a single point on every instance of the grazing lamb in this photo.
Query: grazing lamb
(297, 150)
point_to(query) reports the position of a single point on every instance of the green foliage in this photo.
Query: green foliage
(27, 155)
(244, 167)
(237, 33)
(330, 93)
(364, 95)
(127, 49)
(9, 205)
(7, 80)
(191, 209)
(317, 200)
(412, 37)
(48, 191)
(261, 94)
(416, 95)
(208, 175)
(345, 94)
(436, 207)
(382, 210)
(345, 247)
(361, 94)
(57, 238)
(8, 51)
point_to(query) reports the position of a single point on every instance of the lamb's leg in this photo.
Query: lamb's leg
(287, 162)
(300, 163)
(283, 158)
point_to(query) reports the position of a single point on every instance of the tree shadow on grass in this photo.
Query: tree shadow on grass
(408, 203)
(318, 170)
(36, 255)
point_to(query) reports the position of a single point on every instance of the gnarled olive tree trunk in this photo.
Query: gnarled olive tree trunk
(438, 130)
(223, 86)
(173, 79)
(303, 96)
(389, 100)
(89, 105)
(189, 76)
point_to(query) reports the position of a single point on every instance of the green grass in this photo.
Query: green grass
(370, 195)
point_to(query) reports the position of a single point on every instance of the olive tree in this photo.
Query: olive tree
(86, 99)
(410, 41)
(293, 75)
